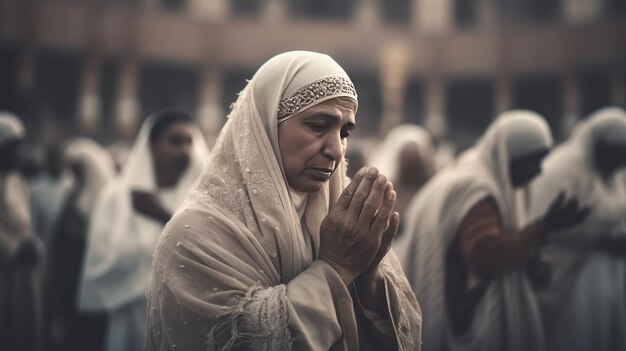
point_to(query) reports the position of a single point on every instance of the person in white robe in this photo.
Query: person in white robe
(129, 215)
(90, 168)
(406, 156)
(584, 308)
(465, 250)
(269, 252)
(21, 251)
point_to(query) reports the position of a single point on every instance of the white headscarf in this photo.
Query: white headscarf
(387, 157)
(507, 316)
(11, 127)
(121, 241)
(570, 168)
(98, 166)
(233, 261)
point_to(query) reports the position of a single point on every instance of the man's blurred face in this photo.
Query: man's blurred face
(172, 151)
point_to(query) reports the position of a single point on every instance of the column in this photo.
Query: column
(213, 11)
(433, 16)
(394, 65)
(89, 99)
(210, 111)
(503, 100)
(366, 14)
(435, 120)
(275, 11)
(127, 105)
(582, 11)
(571, 103)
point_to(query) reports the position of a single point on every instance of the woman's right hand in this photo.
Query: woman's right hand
(352, 232)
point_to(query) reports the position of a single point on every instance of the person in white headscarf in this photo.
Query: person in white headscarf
(406, 156)
(585, 306)
(20, 250)
(167, 157)
(92, 168)
(466, 250)
(273, 249)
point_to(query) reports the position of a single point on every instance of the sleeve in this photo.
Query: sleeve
(486, 249)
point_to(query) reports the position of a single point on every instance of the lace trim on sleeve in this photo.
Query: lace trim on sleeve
(258, 322)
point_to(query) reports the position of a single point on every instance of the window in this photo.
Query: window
(615, 8)
(414, 104)
(246, 8)
(57, 88)
(397, 11)
(469, 106)
(370, 109)
(322, 9)
(163, 86)
(594, 91)
(537, 11)
(465, 12)
(173, 5)
(234, 82)
(109, 84)
(542, 93)
(9, 69)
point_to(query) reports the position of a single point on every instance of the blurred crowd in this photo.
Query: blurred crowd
(515, 217)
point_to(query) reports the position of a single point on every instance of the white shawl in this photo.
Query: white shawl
(99, 169)
(570, 168)
(120, 241)
(387, 156)
(507, 318)
(232, 269)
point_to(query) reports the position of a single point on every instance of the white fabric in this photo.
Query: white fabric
(99, 169)
(232, 269)
(387, 156)
(584, 304)
(507, 317)
(11, 128)
(47, 198)
(121, 241)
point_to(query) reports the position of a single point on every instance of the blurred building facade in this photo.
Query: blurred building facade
(97, 67)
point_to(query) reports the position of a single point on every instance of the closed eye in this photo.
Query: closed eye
(318, 127)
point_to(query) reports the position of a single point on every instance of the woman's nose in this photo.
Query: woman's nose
(333, 148)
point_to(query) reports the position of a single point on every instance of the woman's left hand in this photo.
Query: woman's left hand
(370, 284)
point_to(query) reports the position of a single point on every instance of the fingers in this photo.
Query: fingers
(373, 201)
(346, 196)
(382, 217)
(361, 194)
(392, 230)
(558, 201)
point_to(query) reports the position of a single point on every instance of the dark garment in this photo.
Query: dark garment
(483, 248)
(81, 331)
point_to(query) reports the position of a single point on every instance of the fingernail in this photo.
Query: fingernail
(372, 171)
(381, 179)
(391, 195)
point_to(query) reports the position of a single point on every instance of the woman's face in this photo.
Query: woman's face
(313, 143)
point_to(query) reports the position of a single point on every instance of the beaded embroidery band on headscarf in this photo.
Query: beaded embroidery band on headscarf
(315, 93)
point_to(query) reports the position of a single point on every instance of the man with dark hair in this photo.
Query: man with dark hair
(128, 217)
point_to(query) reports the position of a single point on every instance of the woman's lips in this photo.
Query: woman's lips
(321, 173)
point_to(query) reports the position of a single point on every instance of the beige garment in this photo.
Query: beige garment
(20, 286)
(232, 269)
